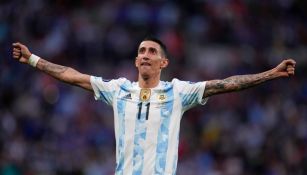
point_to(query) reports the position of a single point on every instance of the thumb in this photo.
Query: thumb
(290, 62)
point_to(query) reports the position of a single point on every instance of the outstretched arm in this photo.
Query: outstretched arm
(239, 82)
(63, 73)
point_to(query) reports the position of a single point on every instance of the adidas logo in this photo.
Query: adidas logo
(128, 96)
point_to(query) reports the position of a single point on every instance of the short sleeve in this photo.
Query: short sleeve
(191, 93)
(105, 89)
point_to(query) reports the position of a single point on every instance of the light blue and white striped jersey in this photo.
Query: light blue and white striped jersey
(147, 133)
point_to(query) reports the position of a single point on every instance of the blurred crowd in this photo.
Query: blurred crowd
(50, 128)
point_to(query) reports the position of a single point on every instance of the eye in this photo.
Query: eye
(142, 50)
(153, 51)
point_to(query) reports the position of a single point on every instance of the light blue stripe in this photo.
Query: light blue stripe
(121, 105)
(187, 100)
(163, 134)
(139, 137)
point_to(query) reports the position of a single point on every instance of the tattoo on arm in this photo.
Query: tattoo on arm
(236, 83)
(65, 74)
(52, 69)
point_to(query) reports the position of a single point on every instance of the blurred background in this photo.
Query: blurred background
(49, 128)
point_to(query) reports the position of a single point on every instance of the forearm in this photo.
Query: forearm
(54, 70)
(238, 82)
(65, 74)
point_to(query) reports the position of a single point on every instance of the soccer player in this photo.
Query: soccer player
(147, 112)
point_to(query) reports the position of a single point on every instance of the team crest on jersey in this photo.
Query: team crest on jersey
(162, 97)
(145, 94)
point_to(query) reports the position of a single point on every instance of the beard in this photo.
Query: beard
(147, 73)
(145, 76)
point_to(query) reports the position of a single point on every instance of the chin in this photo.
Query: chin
(145, 76)
(145, 71)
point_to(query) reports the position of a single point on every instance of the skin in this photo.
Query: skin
(62, 73)
(150, 61)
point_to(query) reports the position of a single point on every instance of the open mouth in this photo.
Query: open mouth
(145, 64)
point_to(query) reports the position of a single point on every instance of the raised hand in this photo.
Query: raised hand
(239, 82)
(286, 68)
(21, 52)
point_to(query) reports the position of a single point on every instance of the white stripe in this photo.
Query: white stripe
(151, 139)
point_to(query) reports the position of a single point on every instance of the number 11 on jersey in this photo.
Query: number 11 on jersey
(140, 110)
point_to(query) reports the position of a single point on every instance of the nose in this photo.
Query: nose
(145, 58)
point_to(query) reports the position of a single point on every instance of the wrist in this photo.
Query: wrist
(33, 60)
(274, 73)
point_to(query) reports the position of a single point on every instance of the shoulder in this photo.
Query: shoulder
(178, 82)
(125, 84)
(118, 80)
(99, 81)
(188, 85)
(123, 80)
(174, 84)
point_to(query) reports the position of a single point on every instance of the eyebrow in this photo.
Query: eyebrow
(150, 48)
(153, 49)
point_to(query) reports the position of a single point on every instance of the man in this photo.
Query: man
(148, 112)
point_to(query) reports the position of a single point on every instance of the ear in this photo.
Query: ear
(164, 63)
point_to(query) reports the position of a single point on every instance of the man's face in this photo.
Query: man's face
(150, 59)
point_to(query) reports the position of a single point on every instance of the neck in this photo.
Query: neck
(148, 82)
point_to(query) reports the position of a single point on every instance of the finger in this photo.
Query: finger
(291, 72)
(16, 54)
(18, 45)
(16, 49)
(290, 69)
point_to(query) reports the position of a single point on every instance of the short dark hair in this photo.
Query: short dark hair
(161, 44)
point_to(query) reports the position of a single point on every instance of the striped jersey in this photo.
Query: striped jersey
(147, 132)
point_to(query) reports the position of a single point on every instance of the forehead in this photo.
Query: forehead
(148, 44)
